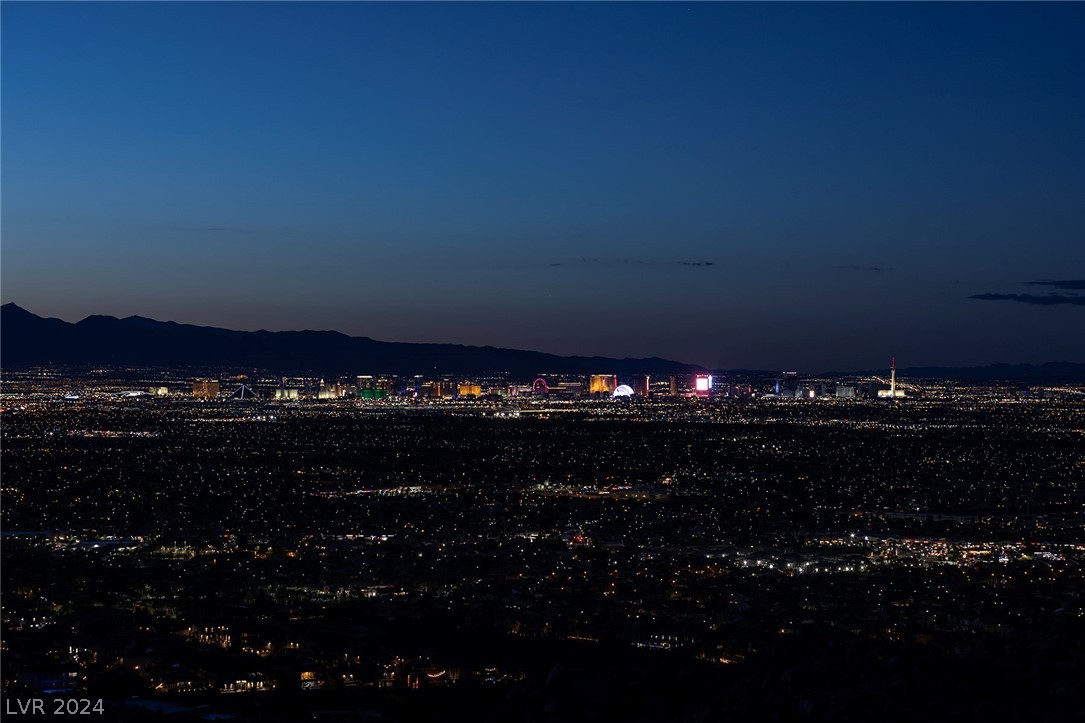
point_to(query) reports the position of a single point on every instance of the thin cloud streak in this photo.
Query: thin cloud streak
(1070, 284)
(596, 261)
(857, 267)
(1048, 300)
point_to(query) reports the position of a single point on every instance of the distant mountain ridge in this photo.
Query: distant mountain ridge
(1047, 372)
(27, 339)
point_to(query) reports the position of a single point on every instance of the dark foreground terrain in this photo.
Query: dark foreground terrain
(681, 560)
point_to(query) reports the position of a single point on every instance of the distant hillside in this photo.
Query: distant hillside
(1051, 372)
(27, 339)
(1047, 373)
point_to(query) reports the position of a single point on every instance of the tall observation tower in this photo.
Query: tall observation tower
(892, 392)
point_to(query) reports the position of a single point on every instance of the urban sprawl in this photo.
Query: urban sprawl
(242, 545)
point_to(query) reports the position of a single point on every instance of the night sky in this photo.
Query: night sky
(808, 186)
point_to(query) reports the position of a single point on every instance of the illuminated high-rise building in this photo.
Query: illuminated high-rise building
(379, 387)
(470, 389)
(674, 386)
(640, 385)
(566, 390)
(205, 388)
(702, 384)
(603, 384)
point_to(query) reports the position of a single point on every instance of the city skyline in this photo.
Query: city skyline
(730, 185)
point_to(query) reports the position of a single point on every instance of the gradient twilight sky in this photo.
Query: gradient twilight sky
(554, 176)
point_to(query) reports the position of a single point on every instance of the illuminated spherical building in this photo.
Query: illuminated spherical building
(623, 390)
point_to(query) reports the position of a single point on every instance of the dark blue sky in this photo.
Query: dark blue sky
(554, 176)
